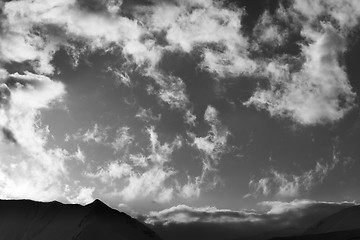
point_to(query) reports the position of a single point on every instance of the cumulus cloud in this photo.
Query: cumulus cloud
(34, 31)
(84, 196)
(207, 26)
(29, 168)
(268, 32)
(346, 13)
(316, 94)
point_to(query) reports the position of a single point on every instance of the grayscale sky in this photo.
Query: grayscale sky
(181, 111)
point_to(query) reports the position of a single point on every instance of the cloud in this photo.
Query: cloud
(122, 139)
(96, 133)
(261, 186)
(34, 31)
(84, 196)
(319, 92)
(9, 135)
(267, 31)
(121, 77)
(147, 115)
(213, 223)
(79, 155)
(346, 13)
(30, 169)
(184, 214)
(304, 206)
(142, 175)
(209, 27)
(172, 90)
(213, 145)
(103, 135)
(113, 171)
(190, 118)
(289, 185)
(191, 189)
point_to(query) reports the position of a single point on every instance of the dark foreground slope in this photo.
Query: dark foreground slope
(346, 219)
(29, 220)
(341, 235)
(343, 225)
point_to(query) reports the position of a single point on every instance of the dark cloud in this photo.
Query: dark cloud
(9, 135)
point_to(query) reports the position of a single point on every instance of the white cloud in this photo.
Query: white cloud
(79, 155)
(121, 77)
(114, 170)
(58, 22)
(190, 118)
(212, 147)
(279, 207)
(278, 215)
(85, 196)
(214, 143)
(29, 168)
(122, 139)
(172, 90)
(261, 186)
(138, 160)
(142, 175)
(316, 94)
(207, 26)
(182, 214)
(191, 189)
(346, 12)
(289, 185)
(96, 133)
(267, 31)
(147, 115)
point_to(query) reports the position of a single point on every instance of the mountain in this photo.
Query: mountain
(30, 220)
(346, 219)
(343, 225)
(340, 235)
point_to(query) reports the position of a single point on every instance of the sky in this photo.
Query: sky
(204, 112)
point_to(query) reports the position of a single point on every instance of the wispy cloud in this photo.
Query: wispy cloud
(291, 185)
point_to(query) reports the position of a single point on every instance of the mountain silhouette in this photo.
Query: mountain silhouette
(343, 225)
(31, 220)
(346, 219)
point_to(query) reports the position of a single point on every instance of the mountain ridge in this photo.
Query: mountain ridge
(342, 225)
(31, 220)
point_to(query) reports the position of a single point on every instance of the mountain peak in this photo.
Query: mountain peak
(43, 221)
(98, 205)
(98, 202)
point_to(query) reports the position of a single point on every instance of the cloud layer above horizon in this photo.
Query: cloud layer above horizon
(176, 104)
